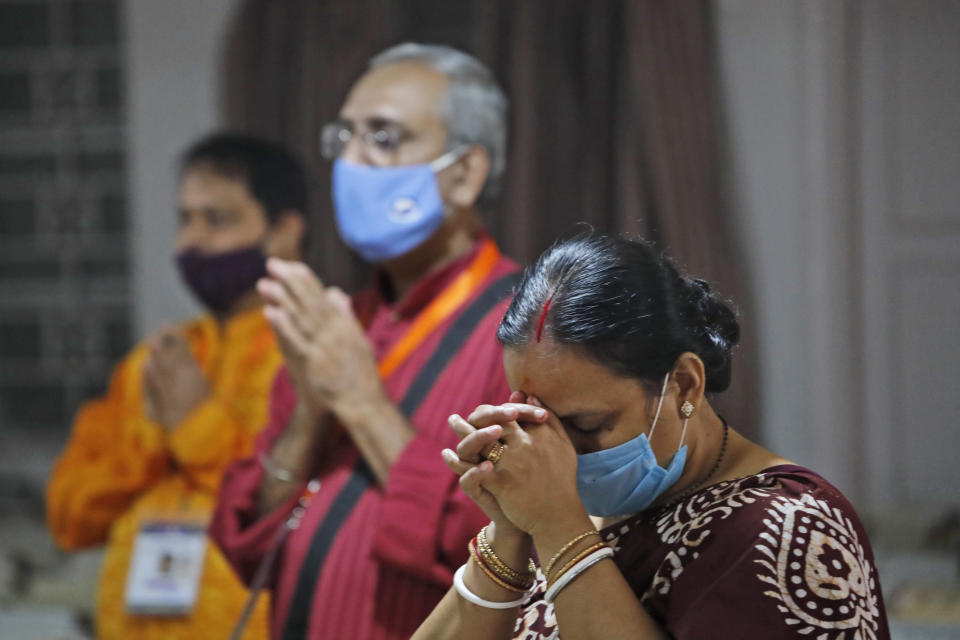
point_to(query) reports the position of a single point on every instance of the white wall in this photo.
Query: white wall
(171, 75)
(844, 159)
(909, 146)
(760, 90)
(782, 69)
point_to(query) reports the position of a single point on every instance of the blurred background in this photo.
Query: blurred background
(804, 155)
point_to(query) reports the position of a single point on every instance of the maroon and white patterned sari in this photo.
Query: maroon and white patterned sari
(780, 554)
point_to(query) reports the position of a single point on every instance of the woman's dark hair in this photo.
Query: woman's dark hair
(274, 175)
(626, 306)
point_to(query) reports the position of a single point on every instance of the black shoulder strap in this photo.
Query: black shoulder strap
(452, 340)
(361, 478)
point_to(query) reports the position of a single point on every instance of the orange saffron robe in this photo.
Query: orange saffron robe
(119, 469)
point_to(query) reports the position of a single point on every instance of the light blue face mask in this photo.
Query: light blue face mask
(627, 479)
(384, 212)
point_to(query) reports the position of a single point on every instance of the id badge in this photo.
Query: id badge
(165, 568)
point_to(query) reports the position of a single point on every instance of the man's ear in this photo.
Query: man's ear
(286, 236)
(467, 177)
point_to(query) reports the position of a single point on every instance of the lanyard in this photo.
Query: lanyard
(441, 308)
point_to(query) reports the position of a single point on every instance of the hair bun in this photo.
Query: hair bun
(714, 331)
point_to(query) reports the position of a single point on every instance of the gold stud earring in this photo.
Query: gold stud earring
(686, 408)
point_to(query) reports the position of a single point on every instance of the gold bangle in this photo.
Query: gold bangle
(566, 548)
(490, 573)
(580, 556)
(500, 567)
(497, 580)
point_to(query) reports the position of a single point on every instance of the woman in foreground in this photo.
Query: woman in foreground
(621, 504)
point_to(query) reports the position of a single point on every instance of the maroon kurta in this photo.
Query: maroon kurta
(394, 557)
(777, 555)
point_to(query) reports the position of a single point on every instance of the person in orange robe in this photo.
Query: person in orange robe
(189, 400)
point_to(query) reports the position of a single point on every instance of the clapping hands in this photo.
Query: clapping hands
(329, 358)
(173, 383)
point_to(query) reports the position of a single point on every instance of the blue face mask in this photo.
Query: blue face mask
(384, 212)
(627, 479)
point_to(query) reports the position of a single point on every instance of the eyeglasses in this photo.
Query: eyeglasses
(381, 140)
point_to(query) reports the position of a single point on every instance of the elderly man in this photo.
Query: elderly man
(359, 417)
(143, 463)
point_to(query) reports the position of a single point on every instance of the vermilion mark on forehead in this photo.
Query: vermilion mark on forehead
(543, 317)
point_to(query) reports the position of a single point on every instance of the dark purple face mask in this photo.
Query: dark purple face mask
(218, 280)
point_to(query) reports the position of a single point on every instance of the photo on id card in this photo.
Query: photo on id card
(165, 568)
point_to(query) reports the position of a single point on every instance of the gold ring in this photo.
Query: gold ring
(496, 452)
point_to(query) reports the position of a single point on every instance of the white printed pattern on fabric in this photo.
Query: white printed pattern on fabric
(831, 562)
(684, 528)
(536, 619)
(818, 569)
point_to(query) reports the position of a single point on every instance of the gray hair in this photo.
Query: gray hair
(475, 109)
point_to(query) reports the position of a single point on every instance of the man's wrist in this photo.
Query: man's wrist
(277, 472)
(306, 417)
(362, 404)
(378, 428)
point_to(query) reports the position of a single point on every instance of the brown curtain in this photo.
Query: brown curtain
(614, 121)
